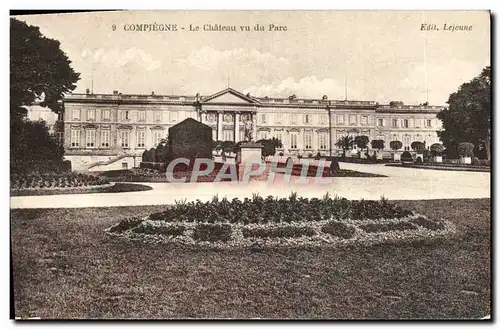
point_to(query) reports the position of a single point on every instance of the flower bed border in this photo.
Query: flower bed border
(319, 239)
(62, 188)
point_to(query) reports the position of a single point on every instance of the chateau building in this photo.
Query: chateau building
(98, 127)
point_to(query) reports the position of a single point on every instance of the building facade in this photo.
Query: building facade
(98, 127)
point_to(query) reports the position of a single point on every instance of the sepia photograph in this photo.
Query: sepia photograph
(257, 164)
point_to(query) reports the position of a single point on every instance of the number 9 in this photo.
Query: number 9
(113, 27)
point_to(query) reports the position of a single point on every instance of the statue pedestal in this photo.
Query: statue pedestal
(250, 152)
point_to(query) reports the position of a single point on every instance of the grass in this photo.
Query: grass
(116, 188)
(64, 266)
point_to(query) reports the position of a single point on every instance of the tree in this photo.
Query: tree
(345, 143)
(436, 149)
(39, 69)
(34, 149)
(466, 149)
(417, 146)
(378, 144)
(468, 117)
(270, 146)
(362, 142)
(395, 145)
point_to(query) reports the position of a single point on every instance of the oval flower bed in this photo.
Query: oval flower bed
(273, 222)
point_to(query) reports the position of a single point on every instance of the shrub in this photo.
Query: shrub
(338, 229)
(431, 225)
(212, 232)
(278, 232)
(378, 144)
(416, 146)
(376, 228)
(163, 230)
(270, 146)
(466, 149)
(406, 157)
(361, 141)
(146, 165)
(418, 160)
(436, 149)
(427, 155)
(395, 145)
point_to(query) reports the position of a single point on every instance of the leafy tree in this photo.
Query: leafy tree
(437, 149)
(416, 146)
(362, 142)
(395, 145)
(378, 144)
(39, 69)
(270, 146)
(466, 149)
(468, 117)
(34, 149)
(345, 143)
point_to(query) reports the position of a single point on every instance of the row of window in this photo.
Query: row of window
(404, 123)
(125, 115)
(104, 141)
(294, 118)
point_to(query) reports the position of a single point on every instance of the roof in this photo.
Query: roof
(190, 122)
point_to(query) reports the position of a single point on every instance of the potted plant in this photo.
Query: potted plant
(437, 152)
(419, 148)
(361, 143)
(466, 151)
(378, 145)
(396, 145)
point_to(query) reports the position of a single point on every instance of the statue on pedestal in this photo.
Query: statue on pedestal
(248, 130)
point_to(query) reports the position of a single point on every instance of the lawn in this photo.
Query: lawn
(64, 266)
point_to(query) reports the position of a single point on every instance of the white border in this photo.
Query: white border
(200, 4)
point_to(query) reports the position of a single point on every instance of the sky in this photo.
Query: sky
(359, 55)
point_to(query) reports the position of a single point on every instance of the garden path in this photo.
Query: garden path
(401, 184)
